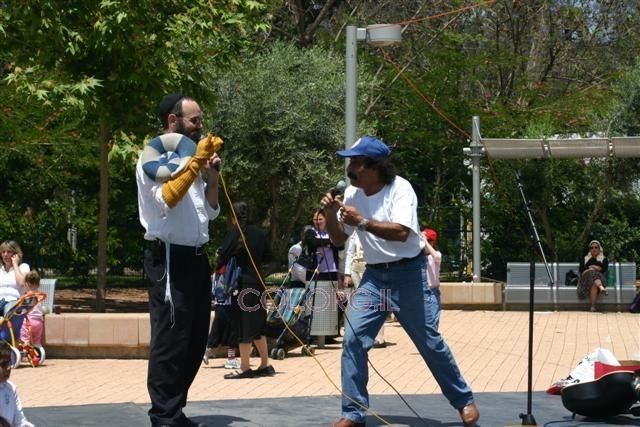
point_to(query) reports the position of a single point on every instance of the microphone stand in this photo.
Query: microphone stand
(528, 419)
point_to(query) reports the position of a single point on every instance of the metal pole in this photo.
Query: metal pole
(476, 153)
(351, 88)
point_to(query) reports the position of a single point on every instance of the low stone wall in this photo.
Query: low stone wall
(97, 335)
(126, 335)
(476, 296)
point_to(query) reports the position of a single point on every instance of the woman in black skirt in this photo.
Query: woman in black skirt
(251, 317)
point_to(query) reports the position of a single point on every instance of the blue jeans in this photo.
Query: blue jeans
(403, 289)
(436, 301)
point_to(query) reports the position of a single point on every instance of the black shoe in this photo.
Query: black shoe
(267, 371)
(187, 422)
(239, 375)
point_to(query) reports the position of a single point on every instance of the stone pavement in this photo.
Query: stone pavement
(490, 348)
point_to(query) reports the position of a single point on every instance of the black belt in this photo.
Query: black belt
(386, 265)
(198, 250)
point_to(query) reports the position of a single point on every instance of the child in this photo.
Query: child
(35, 317)
(223, 331)
(10, 406)
(434, 259)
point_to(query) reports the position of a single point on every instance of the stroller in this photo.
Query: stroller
(34, 354)
(288, 317)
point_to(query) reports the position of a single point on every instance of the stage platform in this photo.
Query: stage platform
(490, 348)
(497, 409)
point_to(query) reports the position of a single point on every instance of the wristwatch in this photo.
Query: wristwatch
(362, 225)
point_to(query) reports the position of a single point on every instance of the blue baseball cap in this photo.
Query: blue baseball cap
(368, 146)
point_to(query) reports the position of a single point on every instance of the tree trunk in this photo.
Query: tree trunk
(594, 214)
(103, 218)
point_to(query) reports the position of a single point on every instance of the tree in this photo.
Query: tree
(281, 115)
(123, 55)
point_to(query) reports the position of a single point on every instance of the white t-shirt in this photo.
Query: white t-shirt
(11, 407)
(9, 289)
(397, 203)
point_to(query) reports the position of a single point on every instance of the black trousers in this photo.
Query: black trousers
(177, 344)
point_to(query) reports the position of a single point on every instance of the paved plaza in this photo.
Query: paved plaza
(491, 348)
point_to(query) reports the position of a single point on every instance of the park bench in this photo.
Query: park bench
(561, 297)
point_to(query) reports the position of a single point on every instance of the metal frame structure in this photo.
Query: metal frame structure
(543, 148)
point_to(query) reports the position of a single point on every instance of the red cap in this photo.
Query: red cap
(430, 234)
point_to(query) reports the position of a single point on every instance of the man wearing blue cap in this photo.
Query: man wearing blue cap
(381, 208)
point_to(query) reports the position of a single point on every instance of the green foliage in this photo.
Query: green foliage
(77, 72)
(626, 113)
(280, 114)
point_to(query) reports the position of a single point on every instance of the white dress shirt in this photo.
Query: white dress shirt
(186, 224)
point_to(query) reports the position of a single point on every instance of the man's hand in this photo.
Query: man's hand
(350, 215)
(348, 281)
(214, 164)
(331, 204)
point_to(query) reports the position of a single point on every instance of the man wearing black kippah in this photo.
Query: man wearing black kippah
(176, 214)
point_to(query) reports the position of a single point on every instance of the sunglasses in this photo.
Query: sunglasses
(194, 120)
(594, 247)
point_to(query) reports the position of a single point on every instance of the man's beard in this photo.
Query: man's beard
(194, 134)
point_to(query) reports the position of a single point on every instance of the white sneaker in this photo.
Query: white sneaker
(232, 363)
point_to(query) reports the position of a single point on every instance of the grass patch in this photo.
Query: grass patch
(67, 282)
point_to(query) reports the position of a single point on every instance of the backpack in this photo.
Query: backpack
(226, 279)
(634, 307)
(571, 278)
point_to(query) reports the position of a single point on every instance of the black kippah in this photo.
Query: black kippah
(167, 104)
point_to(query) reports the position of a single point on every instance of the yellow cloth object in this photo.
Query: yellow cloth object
(174, 189)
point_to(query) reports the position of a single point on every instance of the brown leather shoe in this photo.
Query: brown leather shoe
(345, 422)
(469, 414)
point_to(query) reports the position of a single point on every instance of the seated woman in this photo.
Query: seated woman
(593, 274)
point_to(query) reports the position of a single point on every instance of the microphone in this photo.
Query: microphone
(336, 191)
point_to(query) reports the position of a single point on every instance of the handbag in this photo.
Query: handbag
(571, 278)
